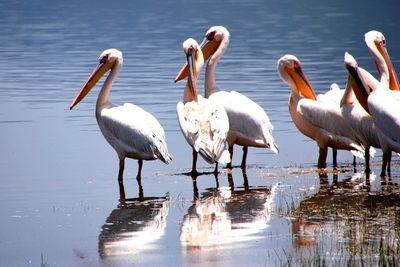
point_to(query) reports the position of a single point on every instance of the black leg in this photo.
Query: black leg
(245, 180)
(139, 178)
(323, 152)
(216, 180)
(388, 165)
(334, 157)
(367, 158)
(195, 189)
(244, 157)
(216, 169)
(385, 162)
(230, 181)
(194, 162)
(121, 191)
(121, 169)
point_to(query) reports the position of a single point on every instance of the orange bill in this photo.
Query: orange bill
(302, 82)
(96, 75)
(393, 80)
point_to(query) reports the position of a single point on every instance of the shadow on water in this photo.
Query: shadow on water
(354, 222)
(222, 218)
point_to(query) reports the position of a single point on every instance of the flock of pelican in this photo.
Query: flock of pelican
(363, 116)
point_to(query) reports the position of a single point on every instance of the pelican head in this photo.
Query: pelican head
(212, 41)
(107, 60)
(214, 35)
(195, 62)
(209, 45)
(356, 80)
(376, 43)
(289, 69)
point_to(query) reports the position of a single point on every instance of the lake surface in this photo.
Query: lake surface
(59, 193)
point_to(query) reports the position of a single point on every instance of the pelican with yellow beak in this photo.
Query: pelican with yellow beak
(204, 124)
(130, 130)
(249, 124)
(317, 120)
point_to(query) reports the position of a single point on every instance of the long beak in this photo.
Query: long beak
(393, 80)
(192, 81)
(302, 84)
(97, 73)
(358, 85)
(208, 47)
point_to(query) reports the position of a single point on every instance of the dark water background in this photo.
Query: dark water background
(58, 189)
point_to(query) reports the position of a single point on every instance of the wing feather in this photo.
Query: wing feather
(246, 118)
(385, 109)
(134, 132)
(205, 127)
(326, 116)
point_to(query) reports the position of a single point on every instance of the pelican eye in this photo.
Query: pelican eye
(211, 35)
(104, 59)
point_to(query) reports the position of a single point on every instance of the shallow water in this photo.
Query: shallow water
(59, 193)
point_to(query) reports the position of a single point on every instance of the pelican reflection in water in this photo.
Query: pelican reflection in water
(225, 217)
(331, 214)
(134, 227)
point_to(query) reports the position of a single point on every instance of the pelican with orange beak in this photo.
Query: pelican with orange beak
(249, 124)
(317, 120)
(129, 129)
(204, 124)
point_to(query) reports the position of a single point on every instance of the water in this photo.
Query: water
(59, 194)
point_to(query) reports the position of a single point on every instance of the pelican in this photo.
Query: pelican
(317, 120)
(382, 104)
(357, 117)
(249, 125)
(203, 123)
(129, 129)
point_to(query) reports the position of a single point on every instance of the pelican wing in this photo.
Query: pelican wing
(205, 127)
(219, 128)
(133, 131)
(246, 118)
(326, 116)
(189, 127)
(384, 106)
(362, 124)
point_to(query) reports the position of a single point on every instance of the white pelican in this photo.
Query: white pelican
(130, 130)
(204, 124)
(382, 104)
(249, 125)
(358, 118)
(317, 120)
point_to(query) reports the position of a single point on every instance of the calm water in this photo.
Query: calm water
(58, 191)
